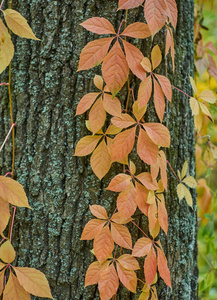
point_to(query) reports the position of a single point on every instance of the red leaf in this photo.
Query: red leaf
(165, 85)
(101, 160)
(111, 105)
(142, 247)
(128, 278)
(123, 144)
(115, 69)
(127, 4)
(123, 121)
(98, 25)
(93, 53)
(163, 268)
(150, 267)
(159, 101)
(119, 183)
(158, 133)
(145, 90)
(91, 229)
(141, 198)
(172, 11)
(146, 179)
(86, 102)
(97, 116)
(98, 211)
(134, 57)
(146, 149)
(103, 244)
(108, 282)
(126, 202)
(137, 30)
(92, 274)
(121, 236)
(128, 262)
(155, 14)
(86, 145)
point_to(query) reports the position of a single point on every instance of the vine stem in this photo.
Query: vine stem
(3, 83)
(140, 230)
(12, 126)
(2, 4)
(180, 91)
(173, 171)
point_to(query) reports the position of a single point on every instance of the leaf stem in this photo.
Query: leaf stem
(12, 126)
(141, 230)
(181, 91)
(4, 83)
(12, 222)
(2, 4)
(173, 171)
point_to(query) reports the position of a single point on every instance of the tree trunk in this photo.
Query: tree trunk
(60, 187)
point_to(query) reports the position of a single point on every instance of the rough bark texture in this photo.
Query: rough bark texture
(60, 187)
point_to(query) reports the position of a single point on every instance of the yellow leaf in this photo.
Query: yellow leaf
(193, 85)
(180, 191)
(144, 296)
(12, 192)
(138, 112)
(6, 47)
(87, 123)
(2, 276)
(188, 196)
(194, 106)
(98, 82)
(7, 253)
(208, 96)
(18, 24)
(13, 290)
(205, 110)
(156, 56)
(5, 215)
(179, 174)
(190, 181)
(33, 281)
(184, 169)
(132, 168)
(198, 120)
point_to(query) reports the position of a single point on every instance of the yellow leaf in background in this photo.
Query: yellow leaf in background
(193, 85)
(6, 47)
(12, 192)
(194, 106)
(180, 191)
(208, 158)
(208, 96)
(18, 24)
(190, 181)
(7, 253)
(184, 169)
(33, 281)
(13, 290)
(188, 196)
(198, 120)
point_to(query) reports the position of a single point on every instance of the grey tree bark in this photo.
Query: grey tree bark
(60, 187)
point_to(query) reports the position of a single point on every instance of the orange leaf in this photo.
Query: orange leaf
(145, 90)
(142, 247)
(115, 69)
(98, 25)
(134, 57)
(5, 215)
(112, 129)
(91, 229)
(172, 11)
(86, 102)
(126, 4)
(158, 133)
(126, 202)
(33, 281)
(123, 121)
(111, 105)
(108, 282)
(146, 179)
(103, 244)
(7, 253)
(98, 82)
(13, 289)
(163, 168)
(101, 160)
(2, 280)
(163, 267)
(98, 211)
(119, 220)
(156, 57)
(93, 53)
(92, 274)
(152, 215)
(128, 278)
(86, 145)
(162, 216)
(119, 183)
(146, 64)
(165, 85)
(123, 144)
(146, 149)
(97, 116)
(159, 101)
(138, 112)
(150, 267)
(141, 198)
(170, 45)
(128, 262)
(121, 236)
(13, 192)
(155, 14)
(137, 30)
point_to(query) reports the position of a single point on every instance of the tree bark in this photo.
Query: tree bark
(60, 187)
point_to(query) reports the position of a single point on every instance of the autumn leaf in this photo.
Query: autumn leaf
(111, 105)
(97, 116)
(155, 14)
(103, 244)
(128, 262)
(150, 267)
(159, 101)
(146, 179)
(108, 282)
(137, 30)
(141, 197)
(18, 24)
(86, 145)
(142, 247)
(13, 289)
(145, 90)
(5, 215)
(126, 202)
(146, 64)
(121, 236)
(172, 11)
(91, 229)
(7, 253)
(138, 112)
(123, 121)
(2, 280)
(156, 57)
(119, 183)
(163, 268)
(128, 278)
(127, 4)
(98, 211)
(165, 85)
(146, 149)
(98, 25)
(162, 216)
(158, 133)
(92, 273)
(86, 102)
(7, 47)
(98, 82)
(33, 281)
